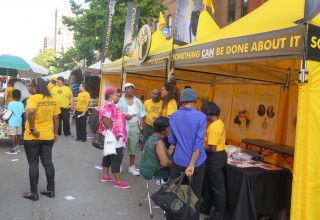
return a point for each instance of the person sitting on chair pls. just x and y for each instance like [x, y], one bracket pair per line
[155, 154]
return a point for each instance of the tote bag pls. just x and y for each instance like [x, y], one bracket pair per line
[110, 143]
[179, 201]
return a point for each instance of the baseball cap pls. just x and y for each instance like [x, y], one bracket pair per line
[110, 90]
[188, 95]
[128, 84]
[54, 78]
[60, 78]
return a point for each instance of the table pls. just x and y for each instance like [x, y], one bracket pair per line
[254, 191]
[3, 130]
[282, 149]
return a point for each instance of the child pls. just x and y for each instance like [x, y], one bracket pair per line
[15, 122]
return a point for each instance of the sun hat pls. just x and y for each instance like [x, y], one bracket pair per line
[128, 84]
[188, 95]
[110, 90]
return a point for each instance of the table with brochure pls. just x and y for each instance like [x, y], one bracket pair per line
[256, 189]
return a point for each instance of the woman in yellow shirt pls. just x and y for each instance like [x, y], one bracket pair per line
[40, 134]
[170, 96]
[8, 92]
[82, 103]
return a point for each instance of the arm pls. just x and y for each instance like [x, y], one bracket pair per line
[71, 103]
[55, 127]
[142, 122]
[211, 148]
[107, 123]
[86, 109]
[190, 169]
[31, 119]
[162, 154]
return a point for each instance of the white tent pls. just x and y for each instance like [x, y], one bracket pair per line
[64, 74]
[94, 69]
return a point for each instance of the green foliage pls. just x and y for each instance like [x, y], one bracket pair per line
[46, 59]
[88, 26]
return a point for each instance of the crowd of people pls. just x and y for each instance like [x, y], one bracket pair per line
[175, 136]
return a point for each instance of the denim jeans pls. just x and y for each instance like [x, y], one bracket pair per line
[43, 149]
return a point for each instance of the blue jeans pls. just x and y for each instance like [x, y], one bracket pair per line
[43, 149]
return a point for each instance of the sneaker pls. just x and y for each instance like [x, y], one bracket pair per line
[160, 182]
[133, 171]
[107, 179]
[12, 151]
[137, 169]
[18, 149]
[122, 185]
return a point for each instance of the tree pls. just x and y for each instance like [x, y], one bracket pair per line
[46, 59]
[88, 26]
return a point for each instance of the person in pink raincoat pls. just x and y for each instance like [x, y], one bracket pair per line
[112, 119]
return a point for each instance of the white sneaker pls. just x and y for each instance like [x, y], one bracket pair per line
[133, 171]
[137, 169]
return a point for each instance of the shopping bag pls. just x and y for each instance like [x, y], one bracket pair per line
[110, 143]
[178, 201]
[6, 115]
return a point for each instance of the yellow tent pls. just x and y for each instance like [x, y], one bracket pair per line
[271, 45]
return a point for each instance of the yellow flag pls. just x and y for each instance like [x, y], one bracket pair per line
[209, 4]
[162, 22]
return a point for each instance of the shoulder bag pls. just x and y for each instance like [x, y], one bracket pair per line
[6, 115]
[178, 201]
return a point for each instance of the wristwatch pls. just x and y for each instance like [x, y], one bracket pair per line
[31, 129]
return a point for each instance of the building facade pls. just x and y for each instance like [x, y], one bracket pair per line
[63, 37]
[48, 43]
[225, 12]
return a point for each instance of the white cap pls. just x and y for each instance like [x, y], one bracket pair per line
[128, 84]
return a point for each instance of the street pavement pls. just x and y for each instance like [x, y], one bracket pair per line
[77, 178]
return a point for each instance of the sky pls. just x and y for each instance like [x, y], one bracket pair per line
[25, 23]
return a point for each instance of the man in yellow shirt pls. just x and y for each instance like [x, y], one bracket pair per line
[52, 83]
[153, 109]
[63, 95]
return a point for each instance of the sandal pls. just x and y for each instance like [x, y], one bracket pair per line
[29, 195]
[50, 194]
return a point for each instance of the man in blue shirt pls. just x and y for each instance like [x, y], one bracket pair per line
[187, 132]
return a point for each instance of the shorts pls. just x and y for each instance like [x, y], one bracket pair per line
[133, 140]
[14, 130]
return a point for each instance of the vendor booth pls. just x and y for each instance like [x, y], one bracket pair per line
[264, 72]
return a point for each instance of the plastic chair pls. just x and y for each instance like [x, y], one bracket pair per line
[149, 183]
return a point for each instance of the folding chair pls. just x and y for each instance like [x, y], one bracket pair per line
[156, 175]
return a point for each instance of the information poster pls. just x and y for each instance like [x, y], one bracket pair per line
[265, 113]
[242, 111]
[223, 98]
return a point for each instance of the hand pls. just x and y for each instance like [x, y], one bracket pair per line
[128, 116]
[35, 133]
[189, 171]
[55, 137]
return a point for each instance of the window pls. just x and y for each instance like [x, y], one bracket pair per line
[244, 9]
[169, 23]
[232, 10]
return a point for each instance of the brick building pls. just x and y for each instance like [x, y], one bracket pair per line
[226, 11]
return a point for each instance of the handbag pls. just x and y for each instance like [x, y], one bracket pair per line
[6, 115]
[178, 201]
[109, 143]
[98, 141]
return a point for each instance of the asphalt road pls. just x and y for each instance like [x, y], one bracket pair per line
[76, 176]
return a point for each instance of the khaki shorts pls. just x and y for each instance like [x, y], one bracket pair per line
[14, 130]
[133, 140]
